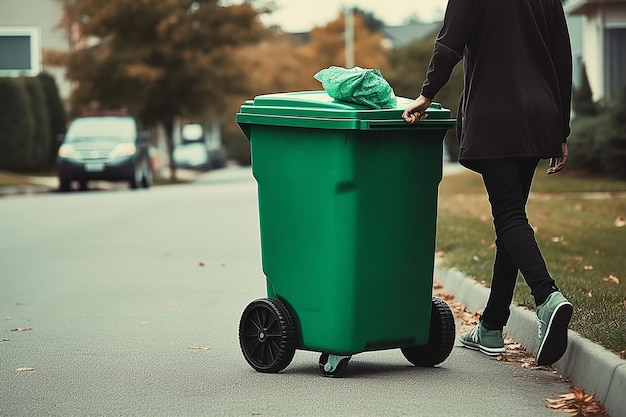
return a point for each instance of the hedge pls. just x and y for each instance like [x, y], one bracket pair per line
[17, 126]
[31, 117]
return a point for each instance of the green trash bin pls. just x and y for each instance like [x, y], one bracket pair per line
[347, 206]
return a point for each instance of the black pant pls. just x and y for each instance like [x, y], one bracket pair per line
[508, 182]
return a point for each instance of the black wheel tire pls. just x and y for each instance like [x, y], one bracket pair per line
[135, 180]
[146, 176]
[339, 372]
[267, 335]
[65, 185]
[440, 339]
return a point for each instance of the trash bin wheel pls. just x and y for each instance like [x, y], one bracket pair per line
[440, 339]
[267, 335]
[333, 366]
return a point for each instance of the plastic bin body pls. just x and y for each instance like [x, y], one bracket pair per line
[347, 219]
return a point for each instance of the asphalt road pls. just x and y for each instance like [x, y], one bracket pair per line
[133, 300]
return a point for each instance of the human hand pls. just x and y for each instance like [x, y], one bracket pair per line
[416, 111]
[557, 164]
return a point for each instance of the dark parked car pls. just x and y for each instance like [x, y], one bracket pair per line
[106, 147]
[195, 153]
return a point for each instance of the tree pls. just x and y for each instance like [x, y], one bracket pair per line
[285, 62]
[159, 58]
[327, 45]
[408, 66]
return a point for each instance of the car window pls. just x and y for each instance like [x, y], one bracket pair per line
[101, 127]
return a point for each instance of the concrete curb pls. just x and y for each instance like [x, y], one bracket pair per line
[25, 190]
[590, 366]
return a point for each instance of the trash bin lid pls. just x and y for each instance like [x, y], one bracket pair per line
[316, 109]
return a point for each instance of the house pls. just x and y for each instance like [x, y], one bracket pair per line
[398, 36]
[603, 46]
[42, 16]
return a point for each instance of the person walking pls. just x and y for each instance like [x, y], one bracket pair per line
[513, 112]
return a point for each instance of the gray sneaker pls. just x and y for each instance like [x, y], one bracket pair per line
[553, 317]
[489, 342]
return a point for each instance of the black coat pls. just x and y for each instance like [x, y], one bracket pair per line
[518, 76]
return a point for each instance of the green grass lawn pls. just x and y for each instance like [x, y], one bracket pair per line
[578, 223]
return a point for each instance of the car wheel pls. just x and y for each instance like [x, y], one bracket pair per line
[136, 178]
[146, 180]
[65, 185]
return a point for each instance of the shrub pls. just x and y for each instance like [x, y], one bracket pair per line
[38, 160]
[56, 113]
[582, 98]
[17, 127]
[237, 147]
[615, 150]
[587, 142]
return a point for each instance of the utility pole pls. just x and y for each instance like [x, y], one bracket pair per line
[349, 36]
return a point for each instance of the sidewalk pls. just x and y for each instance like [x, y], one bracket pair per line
[590, 366]
[40, 185]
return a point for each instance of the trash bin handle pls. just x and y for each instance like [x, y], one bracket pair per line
[401, 124]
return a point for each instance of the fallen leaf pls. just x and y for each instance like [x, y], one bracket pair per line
[24, 369]
[199, 347]
[21, 329]
[201, 263]
[174, 304]
[620, 221]
[611, 278]
[476, 258]
[3, 340]
[588, 267]
[577, 403]
[440, 254]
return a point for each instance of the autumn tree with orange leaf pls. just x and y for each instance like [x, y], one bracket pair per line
[159, 58]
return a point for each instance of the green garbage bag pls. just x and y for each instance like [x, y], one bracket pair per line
[357, 85]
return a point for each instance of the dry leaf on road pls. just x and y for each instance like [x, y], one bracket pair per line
[174, 304]
[620, 221]
[24, 369]
[577, 403]
[3, 339]
[199, 347]
[21, 329]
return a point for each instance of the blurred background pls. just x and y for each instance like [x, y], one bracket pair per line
[183, 68]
